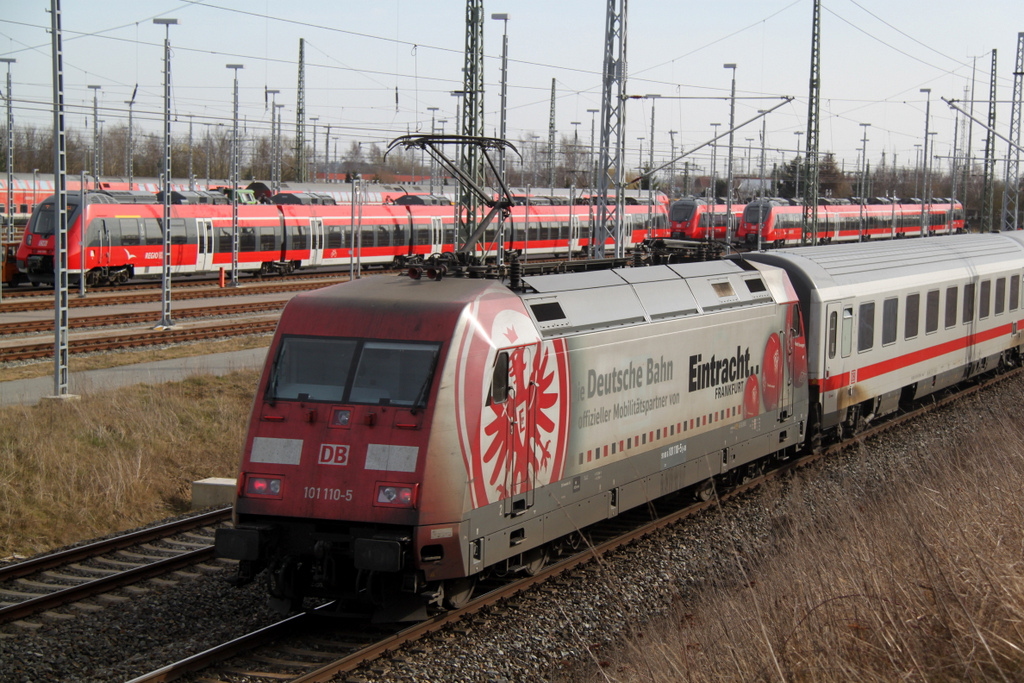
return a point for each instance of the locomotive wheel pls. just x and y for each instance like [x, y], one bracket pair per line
[703, 491]
[458, 592]
[751, 471]
[534, 560]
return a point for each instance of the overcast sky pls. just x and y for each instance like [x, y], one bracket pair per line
[374, 67]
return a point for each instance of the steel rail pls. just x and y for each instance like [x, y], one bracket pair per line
[10, 329]
[135, 340]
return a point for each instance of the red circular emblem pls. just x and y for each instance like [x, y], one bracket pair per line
[771, 371]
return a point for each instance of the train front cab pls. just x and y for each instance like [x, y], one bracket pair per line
[350, 485]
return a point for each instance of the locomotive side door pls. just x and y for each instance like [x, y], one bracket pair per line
[514, 427]
[204, 250]
[790, 334]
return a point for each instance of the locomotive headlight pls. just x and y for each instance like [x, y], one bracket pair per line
[396, 495]
[263, 486]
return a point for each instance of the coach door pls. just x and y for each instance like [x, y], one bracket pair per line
[436, 235]
[838, 348]
[316, 241]
[204, 252]
[513, 428]
[574, 234]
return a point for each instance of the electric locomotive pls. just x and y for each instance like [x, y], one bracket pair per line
[408, 436]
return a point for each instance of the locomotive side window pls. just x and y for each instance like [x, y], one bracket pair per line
[1000, 296]
[951, 294]
[912, 321]
[499, 380]
[969, 302]
[833, 331]
[847, 331]
[931, 315]
[1014, 292]
[890, 311]
[984, 299]
[866, 327]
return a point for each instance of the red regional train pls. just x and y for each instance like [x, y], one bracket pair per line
[779, 223]
[696, 219]
[30, 189]
[124, 241]
[409, 436]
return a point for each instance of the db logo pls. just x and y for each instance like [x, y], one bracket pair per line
[333, 454]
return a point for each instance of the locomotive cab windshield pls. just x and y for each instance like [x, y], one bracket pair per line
[357, 371]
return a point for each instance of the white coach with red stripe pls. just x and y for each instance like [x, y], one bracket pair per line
[890, 322]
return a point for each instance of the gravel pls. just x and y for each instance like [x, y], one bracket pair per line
[556, 632]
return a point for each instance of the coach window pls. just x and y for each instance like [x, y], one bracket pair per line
[833, 332]
[866, 327]
[890, 311]
[912, 321]
[1014, 292]
[931, 312]
[1000, 296]
[247, 239]
[300, 237]
[985, 299]
[969, 302]
[951, 294]
[130, 232]
[180, 233]
[268, 239]
[92, 236]
[847, 331]
[154, 235]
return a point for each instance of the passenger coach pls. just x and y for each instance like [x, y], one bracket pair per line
[890, 322]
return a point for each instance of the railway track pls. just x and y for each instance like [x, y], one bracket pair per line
[310, 647]
[68, 576]
[43, 303]
[32, 351]
[85, 322]
[17, 293]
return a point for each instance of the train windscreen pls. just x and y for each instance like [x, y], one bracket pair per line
[681, 212]
[756, 212]
[353, 371]
[44, 222]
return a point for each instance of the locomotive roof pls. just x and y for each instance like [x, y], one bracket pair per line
[604, 299]
[862, 268]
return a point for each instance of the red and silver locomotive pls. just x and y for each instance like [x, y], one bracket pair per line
[409, 435]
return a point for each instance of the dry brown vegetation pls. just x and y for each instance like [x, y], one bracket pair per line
[79, 469]
[911, 572]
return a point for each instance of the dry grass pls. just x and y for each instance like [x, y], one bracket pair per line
[115, 460]
[100, 361]
[914, 573]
